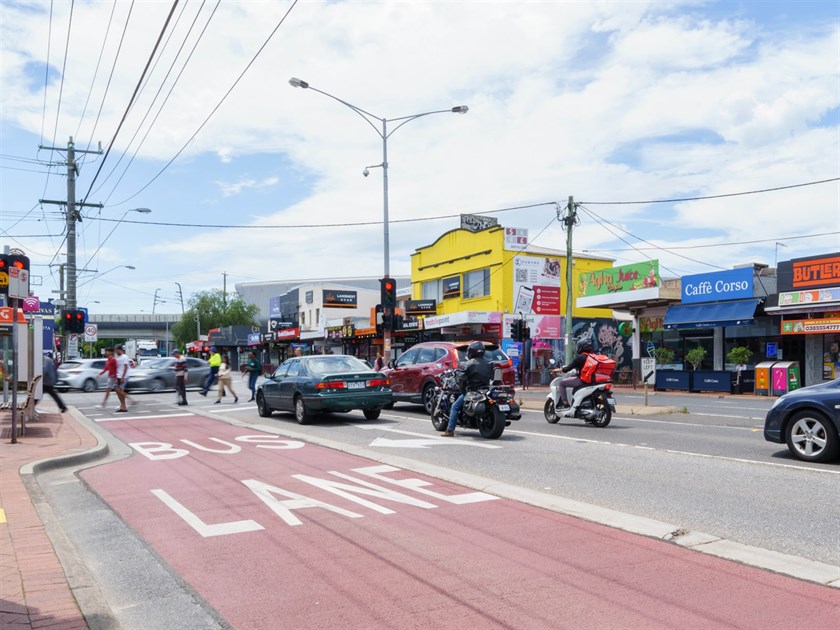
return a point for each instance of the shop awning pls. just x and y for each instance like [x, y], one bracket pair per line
[715, 315]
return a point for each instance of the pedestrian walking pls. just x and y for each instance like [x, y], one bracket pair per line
[215, 361]
[253, 368]
[49, 379]
[378, 362]
[226, 381]
[180, 367]
[123, 365]
[111, 369]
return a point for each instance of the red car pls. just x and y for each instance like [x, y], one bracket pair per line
[417, 371]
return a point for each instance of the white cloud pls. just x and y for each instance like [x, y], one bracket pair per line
[229, 189]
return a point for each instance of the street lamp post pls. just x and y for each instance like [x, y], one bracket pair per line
[384, 134]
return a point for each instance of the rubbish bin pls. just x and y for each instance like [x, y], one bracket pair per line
[785, 377]
[762, 378]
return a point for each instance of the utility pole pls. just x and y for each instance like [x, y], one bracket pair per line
[224, 289]
[180, 296]
[72, 215]
[569, 221]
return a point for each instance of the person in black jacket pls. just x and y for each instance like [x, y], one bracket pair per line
[477, 375]
[584, 347]
[50, 377]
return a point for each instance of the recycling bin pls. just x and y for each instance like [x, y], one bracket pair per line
[785, 377]
[763, 378]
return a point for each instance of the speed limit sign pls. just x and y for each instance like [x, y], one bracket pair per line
[91, 331]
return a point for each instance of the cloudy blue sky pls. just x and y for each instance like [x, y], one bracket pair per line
[603, 101]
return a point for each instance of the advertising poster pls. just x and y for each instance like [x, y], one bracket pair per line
[536, 285]
[451, 287]
[620, 279]
[339, 299]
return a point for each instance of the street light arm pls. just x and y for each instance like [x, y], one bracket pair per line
[461, 109]
[366, 116]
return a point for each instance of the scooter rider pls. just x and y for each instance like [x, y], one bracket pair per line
[584, 347]
[477, 375]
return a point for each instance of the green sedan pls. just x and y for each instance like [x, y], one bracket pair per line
[320, 383]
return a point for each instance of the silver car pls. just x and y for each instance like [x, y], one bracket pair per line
[159, 374]
[81, 374]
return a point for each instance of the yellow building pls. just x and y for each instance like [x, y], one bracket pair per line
[482, 280]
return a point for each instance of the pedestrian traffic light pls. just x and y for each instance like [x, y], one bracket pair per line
[388, 293]
[526, 332]
[6, 262]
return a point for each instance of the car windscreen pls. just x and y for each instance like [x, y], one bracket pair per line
[494, 356]
[71, 365]
[335, 365]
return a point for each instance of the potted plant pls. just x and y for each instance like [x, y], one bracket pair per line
[663, 355]
[695, 357]
[740, 356]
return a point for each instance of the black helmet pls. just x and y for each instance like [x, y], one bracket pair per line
[475, 349]
[584, 345]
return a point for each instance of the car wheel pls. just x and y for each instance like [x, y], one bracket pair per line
[90, 386]
[156, 385]
[371, 414]
[811, 437]
[429, 397]
[262, 406]
[301, 414]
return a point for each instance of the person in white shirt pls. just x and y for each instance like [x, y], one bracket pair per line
[123, 366]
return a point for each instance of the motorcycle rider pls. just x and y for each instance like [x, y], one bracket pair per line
[477, 375]
[584, 347]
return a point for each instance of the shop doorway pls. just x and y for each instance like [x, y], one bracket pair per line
[793, 349]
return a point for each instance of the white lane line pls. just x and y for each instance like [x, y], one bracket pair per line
[686, 424]
[227, 408]
[752, 461]
[425, 436]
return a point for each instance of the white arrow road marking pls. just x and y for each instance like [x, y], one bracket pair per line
[424, 442]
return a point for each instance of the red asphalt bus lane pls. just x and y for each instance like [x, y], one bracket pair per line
[273, 532]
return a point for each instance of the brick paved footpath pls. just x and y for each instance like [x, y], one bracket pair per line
[34, 592]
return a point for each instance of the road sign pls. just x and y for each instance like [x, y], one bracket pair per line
[91, 331]
[650, 348]
[18, 282]
[648, 370]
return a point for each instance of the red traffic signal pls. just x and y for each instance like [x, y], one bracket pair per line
[74, 321]
[388, 293]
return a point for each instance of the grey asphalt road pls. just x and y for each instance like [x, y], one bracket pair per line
[708, 471]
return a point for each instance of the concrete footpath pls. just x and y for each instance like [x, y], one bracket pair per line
[34, 592]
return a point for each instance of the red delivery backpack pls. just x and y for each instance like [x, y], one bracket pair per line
[598, 368]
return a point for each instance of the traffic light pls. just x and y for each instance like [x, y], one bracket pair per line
[7, 261]
[388, 293]
[516, 330]
[526, 332]
[73, 320]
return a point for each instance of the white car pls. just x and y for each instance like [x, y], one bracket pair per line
[81, 374]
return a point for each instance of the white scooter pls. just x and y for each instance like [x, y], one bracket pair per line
[593, 404]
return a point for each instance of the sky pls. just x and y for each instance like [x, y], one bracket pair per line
[250, 179]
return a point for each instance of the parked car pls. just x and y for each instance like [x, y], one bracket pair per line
[417, 372]
[320, 383]
[81, 374]
[159, 374]
[808, 421]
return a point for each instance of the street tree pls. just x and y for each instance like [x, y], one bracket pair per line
[212, 309]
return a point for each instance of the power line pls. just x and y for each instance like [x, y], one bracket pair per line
[603, 220]
[96, 71]
[321, 225]
[131, 100]
[111, 75]
[736, 194]
[157, 94]
[729, 244]
[218, 105]
[46, 75]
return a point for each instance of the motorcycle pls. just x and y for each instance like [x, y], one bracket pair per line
[489, 410]
[594, 404]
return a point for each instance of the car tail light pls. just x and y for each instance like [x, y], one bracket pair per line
[608, 386]
[330, 385]
[379, 382]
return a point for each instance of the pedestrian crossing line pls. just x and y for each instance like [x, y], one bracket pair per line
[124, 418]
